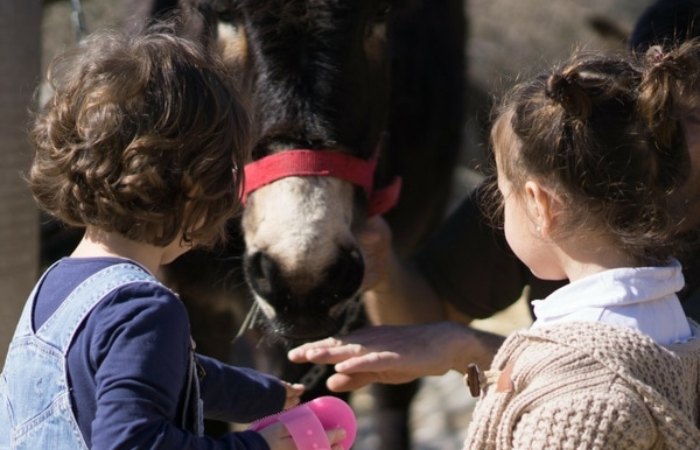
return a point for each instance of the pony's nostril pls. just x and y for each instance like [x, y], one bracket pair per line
[345, 275]
[262, 273]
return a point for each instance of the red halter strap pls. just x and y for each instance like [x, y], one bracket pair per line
[303, 162]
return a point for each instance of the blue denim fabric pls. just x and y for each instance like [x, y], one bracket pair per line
[35, 405]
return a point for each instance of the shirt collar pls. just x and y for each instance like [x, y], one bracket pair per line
[613, 287]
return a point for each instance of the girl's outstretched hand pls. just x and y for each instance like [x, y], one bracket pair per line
[278, 438]
[387, 354]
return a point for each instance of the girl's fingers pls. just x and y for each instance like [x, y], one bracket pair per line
[325, 354]
[293, 393]
[336, 436]
[340, 382]
[299, 354]
[295, 389]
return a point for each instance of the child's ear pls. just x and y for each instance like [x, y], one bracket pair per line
[541, 205]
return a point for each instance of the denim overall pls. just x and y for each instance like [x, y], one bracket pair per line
[35, 404]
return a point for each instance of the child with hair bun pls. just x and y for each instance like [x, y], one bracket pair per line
[591, 158]
[139, 144]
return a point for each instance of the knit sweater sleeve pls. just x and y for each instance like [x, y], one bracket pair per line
[586, 420]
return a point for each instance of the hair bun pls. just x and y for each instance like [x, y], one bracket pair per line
[564, 88]
[557, 86]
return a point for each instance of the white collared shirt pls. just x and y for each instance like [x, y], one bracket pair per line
[641, 298]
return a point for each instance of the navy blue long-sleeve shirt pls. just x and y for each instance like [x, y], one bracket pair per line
[127, 369]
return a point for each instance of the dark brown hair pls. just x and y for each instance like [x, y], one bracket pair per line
[604, 133]
[141, 137]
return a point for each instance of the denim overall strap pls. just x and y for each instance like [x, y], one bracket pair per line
[61, 327]
[24, 325]
[35, 405]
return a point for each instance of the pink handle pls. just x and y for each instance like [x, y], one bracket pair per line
[308, 423]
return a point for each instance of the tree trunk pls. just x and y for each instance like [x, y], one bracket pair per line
[20, 27]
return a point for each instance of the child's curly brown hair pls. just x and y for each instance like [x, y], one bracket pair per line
[142, 137]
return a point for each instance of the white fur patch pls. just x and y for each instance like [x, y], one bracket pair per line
[232, 43]
[300, 222]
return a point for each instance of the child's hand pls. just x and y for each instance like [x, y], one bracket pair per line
[294, 392]
[278, 438]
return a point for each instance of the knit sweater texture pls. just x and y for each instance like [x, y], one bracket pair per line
[590, 386]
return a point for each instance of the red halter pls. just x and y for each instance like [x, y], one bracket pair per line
[297, 163]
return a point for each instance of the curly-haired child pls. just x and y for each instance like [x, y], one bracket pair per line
[139, 144]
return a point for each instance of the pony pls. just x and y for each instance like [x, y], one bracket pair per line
[350, 99]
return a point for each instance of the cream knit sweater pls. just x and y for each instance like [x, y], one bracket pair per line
[591, 386]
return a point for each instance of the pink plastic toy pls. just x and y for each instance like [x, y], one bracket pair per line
[308, 422]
